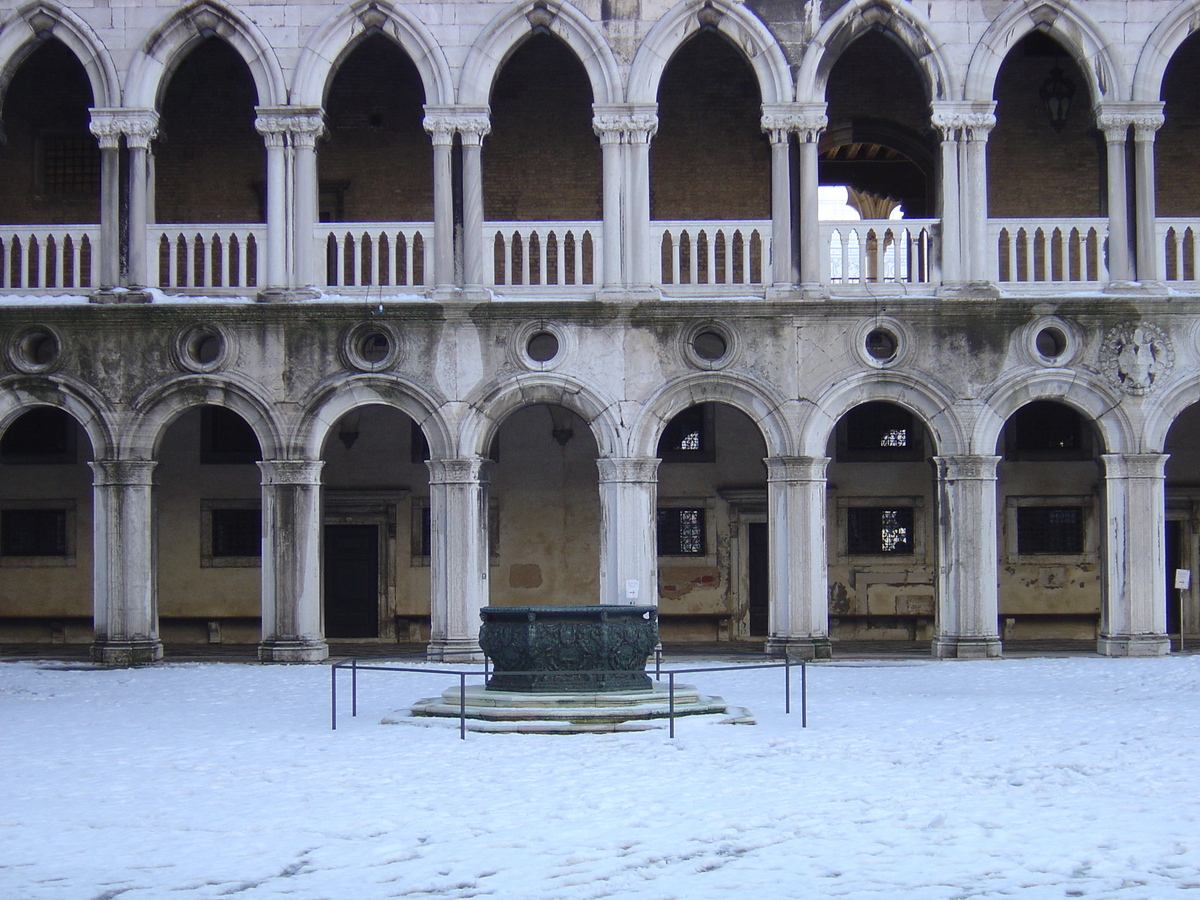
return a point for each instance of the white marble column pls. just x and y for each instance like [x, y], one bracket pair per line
[978, 258]
[777, 122]
[141, 128]
[440, 127]
[628, 536]
[125, 597]
[292, 620]
[1133, 615]
[609, 125]
[105, 125]
[458, 509]
[799, 592]
[1146, 122]
[474, 128]
[810, 122]
[967, 620]
[1116, 129]
[272, 124]
[640, 258]
[947, 119]
[307, 127]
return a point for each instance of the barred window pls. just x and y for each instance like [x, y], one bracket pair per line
[1050, 530]
[236, 532]
[70, 165]
[681, 532]
[688, 437]
[33, 532]
[879, 531]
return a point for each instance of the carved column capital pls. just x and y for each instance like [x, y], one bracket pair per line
[796, 468]
[473, 470]
[123, 472]
[966, 468]
[291, 471]
[139, 126]
[628, 470]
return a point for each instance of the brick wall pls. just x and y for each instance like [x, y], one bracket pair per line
[48, 94]
[710, 159]
[1176, 142]
[542, 159]
[211, 164]
[376, 146]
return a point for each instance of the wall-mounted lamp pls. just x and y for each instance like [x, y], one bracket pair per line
[348, 430]
[561, 422]
[1056, 92]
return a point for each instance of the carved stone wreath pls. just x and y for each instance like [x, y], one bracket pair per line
[1135, 356]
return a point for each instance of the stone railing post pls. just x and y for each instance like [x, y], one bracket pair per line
[125, 599]
[967, 621]
[628, 539]
[458, 509]
[291, 566]
[799, 593]
[1133, 615]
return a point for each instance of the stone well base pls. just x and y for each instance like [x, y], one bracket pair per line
[510, 711]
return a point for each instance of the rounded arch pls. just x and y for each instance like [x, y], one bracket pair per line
[1160, 417]
[505, 32]
[490, 410]
[921, 395]
[900, 21]
[741, 27]
[334, 41]
[1061, 20]
[153, 64]
[1160, 47]
[333, 399]
[20, 394]
[35, 23]
[764, 407]
[1083, 393]
[156, 409]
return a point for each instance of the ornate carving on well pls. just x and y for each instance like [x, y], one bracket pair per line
[1135, 356]
[552, 649]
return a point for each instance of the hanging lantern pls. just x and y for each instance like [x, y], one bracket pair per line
[1056, 92]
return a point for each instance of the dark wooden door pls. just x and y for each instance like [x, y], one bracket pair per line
[351, 581]
[759, 565]
[1174, 556]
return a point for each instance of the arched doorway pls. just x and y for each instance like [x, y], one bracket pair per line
[1183, 526]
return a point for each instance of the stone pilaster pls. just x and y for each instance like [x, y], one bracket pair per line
[292, 629]
[458, 508]
[628, 541]
[1133, 615]
[799, 592]
[125, 599]
[967, 621]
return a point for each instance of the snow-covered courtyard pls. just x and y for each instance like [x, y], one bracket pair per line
[1028, 778]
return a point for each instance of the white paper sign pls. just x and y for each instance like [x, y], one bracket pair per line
[1183, 579]
[633, 589]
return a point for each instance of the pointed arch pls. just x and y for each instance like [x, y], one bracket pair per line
[336, 397]
[1061, 20]
[166, 47]
[765, 407]
[1160, 418]
[921, 394]
[899, 20]
[1085, 393]
[740, 26]
[86, 406]
[505, 32]
[1160, 47]
[335, 40]
[38, 22]
[489, 410]
[156, 409]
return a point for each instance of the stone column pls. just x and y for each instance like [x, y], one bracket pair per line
[473, 128]
[125, 597]
[1146, 123]
[140, 127]
[458, 509]
[292, 620]
[799, 592]
[948, 120]
[1116, 129]
[307, 127]
[440, 127]
[628, 537]
[809, 124]
[640, 127]
[609, 126]
[973, 192]
[105, 125]
[967, 620]
[777, 122]
[1133, 615]
[273, 126]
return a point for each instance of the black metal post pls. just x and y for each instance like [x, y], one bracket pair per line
[462, 706]
[787, 684]
[333, 696]
[803, 694]
[354, 687]
[671, 701]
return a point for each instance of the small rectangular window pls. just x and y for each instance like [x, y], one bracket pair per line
[879, 531]
[1050, 530]
[236, 532]
[70, 165]
[681, 532]
[34, 533]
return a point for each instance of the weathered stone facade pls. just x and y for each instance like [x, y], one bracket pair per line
[354, 318]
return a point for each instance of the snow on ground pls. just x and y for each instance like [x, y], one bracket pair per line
[1030, 778]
